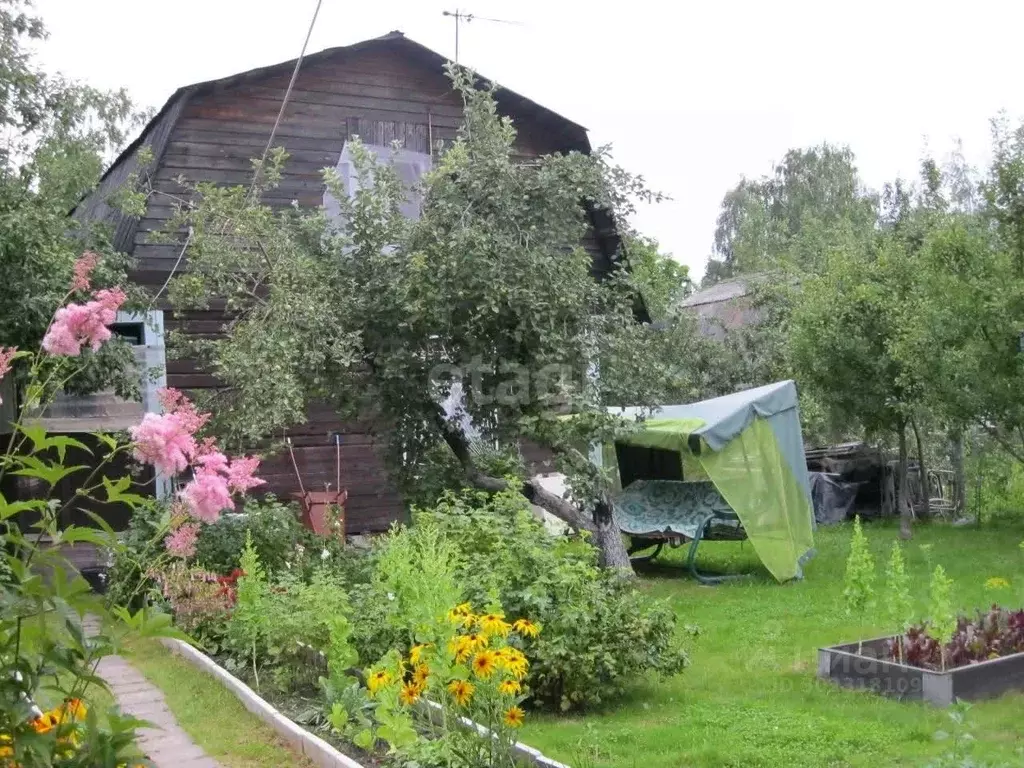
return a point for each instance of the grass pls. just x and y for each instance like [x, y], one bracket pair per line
[751, 698]
[211, 714]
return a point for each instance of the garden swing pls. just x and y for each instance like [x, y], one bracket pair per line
[729, 468]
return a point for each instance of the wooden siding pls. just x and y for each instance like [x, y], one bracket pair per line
[378, 95]
[96, 206]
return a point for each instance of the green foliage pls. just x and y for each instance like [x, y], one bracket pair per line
[248, 624]
[600, 633]
[272, 526]
[58, 134]
[416, 574]
[859, 590]
[662, 281]
[128, 580]
[942, 613]
[898, 604]
[961, 750]
[760, 219]
[300, 619]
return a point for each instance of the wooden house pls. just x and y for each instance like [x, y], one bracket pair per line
[385, 89]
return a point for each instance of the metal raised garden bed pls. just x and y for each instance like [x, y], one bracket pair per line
[871, 670]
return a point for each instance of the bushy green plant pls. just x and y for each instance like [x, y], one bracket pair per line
[898, 605]
[599, 632]
[859, 589]
[942, 615]
[273, 527]
[298, 621]
[247, 626]
[416, 573]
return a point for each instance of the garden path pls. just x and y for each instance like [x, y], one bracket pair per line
[166, 743]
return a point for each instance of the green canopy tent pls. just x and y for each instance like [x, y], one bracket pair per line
[720, 468]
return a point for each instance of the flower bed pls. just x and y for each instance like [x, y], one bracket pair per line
[316, 749]
[984, 658]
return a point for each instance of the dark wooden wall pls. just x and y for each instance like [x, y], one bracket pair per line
[380, 95]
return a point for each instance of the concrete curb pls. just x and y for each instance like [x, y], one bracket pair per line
[313, 747]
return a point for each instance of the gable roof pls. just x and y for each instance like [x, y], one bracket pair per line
[574, 134]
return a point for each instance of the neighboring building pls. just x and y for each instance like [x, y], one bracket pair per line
[724, 306]
[386, 89]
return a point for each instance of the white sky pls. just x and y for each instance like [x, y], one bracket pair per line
[692, 95]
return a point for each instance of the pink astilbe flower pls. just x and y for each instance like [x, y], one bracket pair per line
[84, 266]
[164, 442]
[207, 495]
[241, 474]
[182, 541]
[6, 356]
[77, 325]
[174, 401]
[213, 459]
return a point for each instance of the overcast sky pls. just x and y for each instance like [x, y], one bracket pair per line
[692, 95]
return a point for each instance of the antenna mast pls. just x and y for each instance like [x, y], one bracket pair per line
[461, 16]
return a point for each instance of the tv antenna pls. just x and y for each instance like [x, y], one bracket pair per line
[461, 16]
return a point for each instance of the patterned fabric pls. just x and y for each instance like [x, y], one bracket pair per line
[670, 506]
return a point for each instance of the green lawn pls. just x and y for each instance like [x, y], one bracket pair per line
[750, 697]
[211, 714]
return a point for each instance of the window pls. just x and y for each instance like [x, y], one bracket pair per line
[409, 165]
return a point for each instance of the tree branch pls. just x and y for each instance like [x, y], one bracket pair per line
[531, 489]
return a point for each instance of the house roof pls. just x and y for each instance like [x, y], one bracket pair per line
[574, 134]
[723, 291]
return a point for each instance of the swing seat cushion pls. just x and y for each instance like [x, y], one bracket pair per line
[674, 508]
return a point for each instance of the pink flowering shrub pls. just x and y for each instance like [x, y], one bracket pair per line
[78, 325]
[181, 542]
[84, 266]
[168, 443]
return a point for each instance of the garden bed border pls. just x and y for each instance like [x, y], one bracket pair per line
[869, 669]
[308, 744]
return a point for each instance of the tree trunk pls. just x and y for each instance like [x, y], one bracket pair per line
[906, 510]
[956, 458]
[609, 539]
[922, 469]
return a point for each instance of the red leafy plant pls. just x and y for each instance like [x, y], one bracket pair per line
[994, 633]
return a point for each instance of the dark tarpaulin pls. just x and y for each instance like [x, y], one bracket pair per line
[832, 498]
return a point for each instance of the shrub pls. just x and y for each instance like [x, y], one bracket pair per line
[142, 542]
[273, 526]
[414, 580]
[599, 633]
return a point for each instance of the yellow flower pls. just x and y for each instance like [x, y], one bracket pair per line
[45, 722]
[526, 628]
[996, 582]
[420, 675]
[510, 687]
[478, 640]
[494, 624]
[409, 694]
[461, 691]
[71, 709]
[462, 615]
[483, 664]
[416, 652]
[512, 661]
[378, 680]
[514, 717]
[461, 647]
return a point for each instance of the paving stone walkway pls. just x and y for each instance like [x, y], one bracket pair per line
[167, 745]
